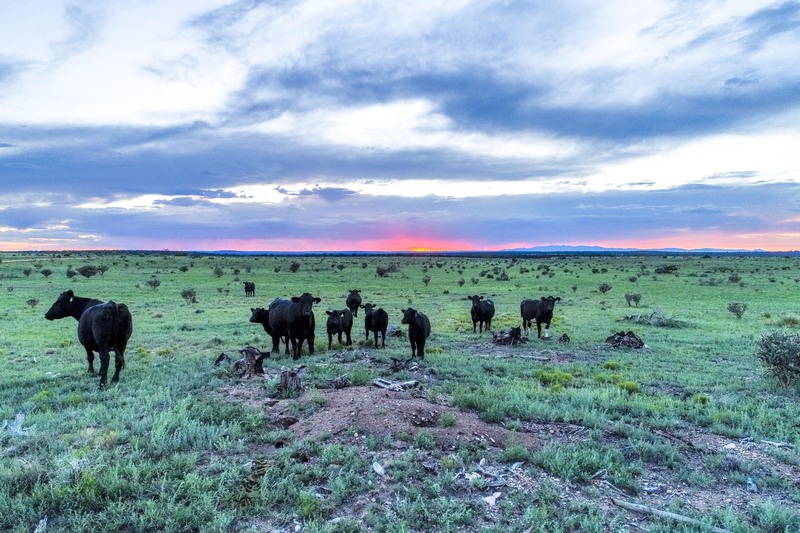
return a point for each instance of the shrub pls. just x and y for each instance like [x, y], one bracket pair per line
[604, 288]
[294, 267]
[46, 272]
[27, 271]
[87, 271]
[780, 353]
[153, 282]
[737, 308]
[218, 271]
[190, 295]
[426, 279]
[71, 273]
[666, 269]
[33, 302]
[184, 268]
[634, 297]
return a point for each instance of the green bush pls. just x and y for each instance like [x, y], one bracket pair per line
[780, 353]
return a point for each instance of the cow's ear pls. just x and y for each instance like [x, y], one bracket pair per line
[558, 298]
[317, 300]
[403, 311]
[295, 299]
[544, 299]
[70, 294]
[252, 310]
[328, 312]
[480, 297]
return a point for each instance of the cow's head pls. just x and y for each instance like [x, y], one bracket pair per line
[259, 315]
[367, 308]
[550, 302]
[408, 315]
[62, 307]
[355, 292]
[335, 317]
[306, 301]
[475, 300]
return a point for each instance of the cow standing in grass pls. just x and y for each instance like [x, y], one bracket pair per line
[377, 321]
[259, 315]
[353, 301]
[419, 329]
[249, 288]
[102, 327]
[481, 312]
[293, 318]
[540, 311]
[339, 322]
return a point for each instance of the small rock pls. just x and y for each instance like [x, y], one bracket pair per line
[378, 469]
[730, 446]
[492, 500]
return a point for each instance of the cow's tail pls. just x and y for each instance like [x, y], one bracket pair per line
[116, 325]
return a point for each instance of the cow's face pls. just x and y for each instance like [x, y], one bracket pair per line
[335, 318]
[259, 315]
[355, 292]
[550, 302]
[475, 300]
[368, 308]
[306, 302]
[408, 316]
[62, 307]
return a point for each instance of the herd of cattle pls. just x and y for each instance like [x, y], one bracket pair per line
[106, 326]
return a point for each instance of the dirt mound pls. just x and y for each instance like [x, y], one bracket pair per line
[379, 412]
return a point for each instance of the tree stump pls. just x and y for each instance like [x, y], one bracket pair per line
[291, 381]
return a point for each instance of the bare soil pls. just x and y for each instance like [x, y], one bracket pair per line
[350, 415]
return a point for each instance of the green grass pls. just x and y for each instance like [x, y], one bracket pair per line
[166, 449]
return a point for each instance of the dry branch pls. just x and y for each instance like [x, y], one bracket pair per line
[646, 509]
[396, 386]
[291, 380]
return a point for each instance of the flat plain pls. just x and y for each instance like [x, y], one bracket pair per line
[544, 435]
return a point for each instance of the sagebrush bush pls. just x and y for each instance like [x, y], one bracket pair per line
[780, 353]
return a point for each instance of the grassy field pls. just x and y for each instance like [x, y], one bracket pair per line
[542, 436]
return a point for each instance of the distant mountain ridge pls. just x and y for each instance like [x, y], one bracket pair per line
[551, 248]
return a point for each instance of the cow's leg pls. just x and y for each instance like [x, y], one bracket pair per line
[547, 329]
[340, 339]
[421, 348]
[383, 339]
[538, 330]
[90, 359]
[104, 360]
[310, 341]
[349, 340]
[330, 340]
[119, 364]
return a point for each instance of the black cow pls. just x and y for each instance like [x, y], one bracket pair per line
[249, 288]
[293, 318]
[482, 312]
[419, 329]
[259, 315]
[539, 310]
[376, 320]
[101, 327]
[339, 322]
[354, 301]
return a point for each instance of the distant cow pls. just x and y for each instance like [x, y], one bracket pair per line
[249, 288]
[293, 318]
[539, 310]
[377, 321]
[259, 315]
[482, 312]
[101, 327]
[354, 301]
[339, 322]
[419, 329]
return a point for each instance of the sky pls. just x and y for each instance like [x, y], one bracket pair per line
[381, 125]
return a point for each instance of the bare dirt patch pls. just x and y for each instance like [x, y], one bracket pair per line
[377, 412]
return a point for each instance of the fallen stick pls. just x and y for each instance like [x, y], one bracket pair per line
[779, 444]
[397, 386]
[646, 509]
